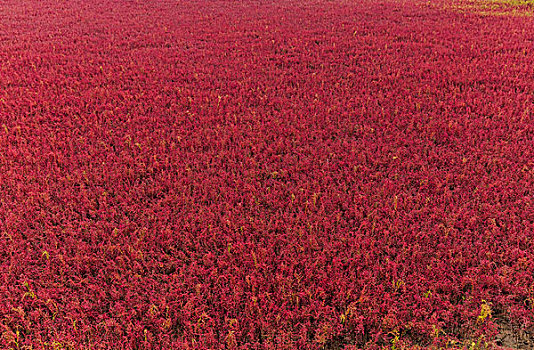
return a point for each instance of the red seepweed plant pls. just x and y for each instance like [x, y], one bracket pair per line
[264, 175]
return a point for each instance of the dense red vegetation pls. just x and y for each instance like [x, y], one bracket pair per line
[263, 175]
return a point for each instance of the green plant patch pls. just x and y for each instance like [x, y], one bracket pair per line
[527, 3]
[517, 8]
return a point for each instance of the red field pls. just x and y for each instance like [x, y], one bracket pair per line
[266, 174]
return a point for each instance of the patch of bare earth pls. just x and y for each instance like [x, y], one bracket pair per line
[511, 337]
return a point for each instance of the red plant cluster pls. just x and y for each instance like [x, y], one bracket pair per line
[263, 174]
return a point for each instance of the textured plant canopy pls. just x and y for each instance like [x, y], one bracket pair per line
[265, 175]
